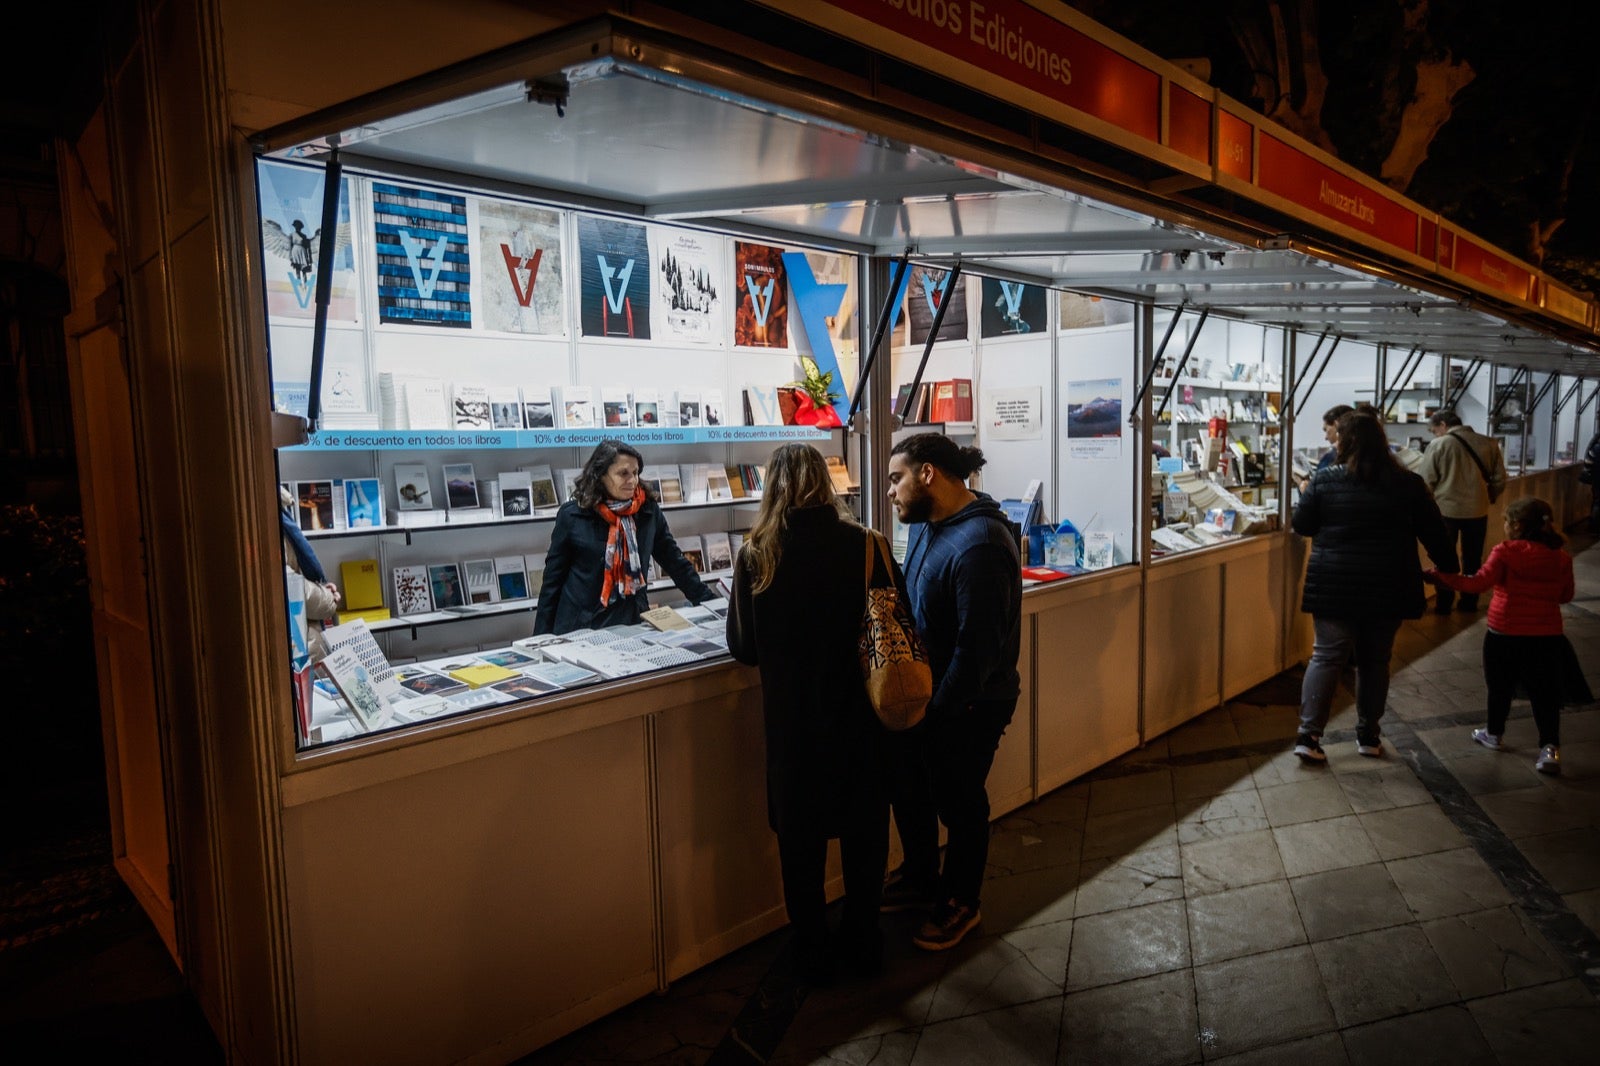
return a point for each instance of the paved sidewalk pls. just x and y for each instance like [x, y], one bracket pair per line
[1209, 899]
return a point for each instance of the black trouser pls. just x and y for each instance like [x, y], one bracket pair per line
[863, 853]
[1470, 532]
[940, 773]
[1537, 663]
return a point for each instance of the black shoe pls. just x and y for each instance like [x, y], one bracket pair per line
[902, 895]
[1309, 749]
[949, 923]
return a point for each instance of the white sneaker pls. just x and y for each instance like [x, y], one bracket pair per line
[1487, 739]
[1549, 761]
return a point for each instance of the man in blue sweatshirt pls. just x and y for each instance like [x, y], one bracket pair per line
[964, 576]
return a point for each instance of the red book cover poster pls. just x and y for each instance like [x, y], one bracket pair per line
[762, 316]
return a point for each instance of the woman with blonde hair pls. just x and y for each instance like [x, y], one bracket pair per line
[799, 592]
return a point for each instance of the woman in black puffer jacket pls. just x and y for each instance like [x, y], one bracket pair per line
[1365, 515]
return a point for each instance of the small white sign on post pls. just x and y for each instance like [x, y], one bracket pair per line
[1013, 414]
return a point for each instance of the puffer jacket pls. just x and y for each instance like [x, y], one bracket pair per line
[1531, 581]
[1364, 544]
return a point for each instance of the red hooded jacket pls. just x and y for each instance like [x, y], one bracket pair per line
[1530, 583]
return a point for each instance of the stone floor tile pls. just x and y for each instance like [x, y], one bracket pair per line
[1026, 1033]
[1533, 812]
[1545, 1024]
[1281, 727]
[1220, 816]
[1019, 844]
[1002, 971]
[1131, 791]
[1312, 847]
[1036, 897]
[1493, 951]
[1492, 772]
[1067, 806]
[1230, 862]
[1209, 779]
[885, 1049]
[1381, 974]
[1243, 921]
[1125, 832]
[1282, 768]
[1121, 945]
[1304, 801]
[1447, 882]
[1577, 726]
[1407, 831]
[1569, 860]
[1129, 881]
[1383, 788]
[1586, 905]
[1148, 1022]
[1261, 1000]
[1444, 1036]
[1352, 900]
[1454, 740]
[1323, 1050]
[899, 997]
[1209, 732]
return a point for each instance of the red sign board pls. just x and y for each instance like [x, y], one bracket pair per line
[1188, 124]
[1317, 187]
[1234, 155]
[1481, 265]
[1022, 45]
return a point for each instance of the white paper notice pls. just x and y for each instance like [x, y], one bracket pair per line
[1013, 414]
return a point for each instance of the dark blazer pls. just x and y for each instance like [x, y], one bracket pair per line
[824, 743]
[1364, 544]
[574, 570]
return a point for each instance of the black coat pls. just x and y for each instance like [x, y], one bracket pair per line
[574, 570]
[1364, 544]
[824, 743]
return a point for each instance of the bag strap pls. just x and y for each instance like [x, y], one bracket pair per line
[877, 548]
[871, 551]
[1476, 458]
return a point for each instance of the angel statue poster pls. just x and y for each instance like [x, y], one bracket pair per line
[291, 243]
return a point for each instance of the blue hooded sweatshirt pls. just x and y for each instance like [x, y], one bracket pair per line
[965, 580]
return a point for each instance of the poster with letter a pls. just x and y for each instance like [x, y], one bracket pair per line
[688, 290]
[291, 243]
[522, 277]
[761, 317]
[424, 268]
[614, 278]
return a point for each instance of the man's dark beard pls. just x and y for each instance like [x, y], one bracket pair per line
[918, 510]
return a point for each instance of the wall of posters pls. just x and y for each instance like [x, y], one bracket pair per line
[927, 289]
[291, 241]
[1094, 418]
[424, 267]
[613, 274]
[1091, 312]
[1011, 308]
[686, 272]
[761, 316]
[521, 284]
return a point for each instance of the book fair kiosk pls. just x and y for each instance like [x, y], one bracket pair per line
[414, 289]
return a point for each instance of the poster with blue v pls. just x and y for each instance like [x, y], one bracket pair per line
[614, 278]
[291, 243]
[424, 265]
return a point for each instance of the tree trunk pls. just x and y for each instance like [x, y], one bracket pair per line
[1439, 81]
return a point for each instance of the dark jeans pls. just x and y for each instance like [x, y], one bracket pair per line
[940, 773]
[1537, 664]
[1470, 532]
[1370, 642]
[863, 852]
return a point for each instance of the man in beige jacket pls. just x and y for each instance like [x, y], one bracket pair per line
[1466, 472]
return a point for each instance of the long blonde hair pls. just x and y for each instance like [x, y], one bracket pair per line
[797, 476]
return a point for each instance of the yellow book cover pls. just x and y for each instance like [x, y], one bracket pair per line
[366, 614]
[484, 674]
[363, 588]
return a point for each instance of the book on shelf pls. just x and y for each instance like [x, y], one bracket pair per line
[523, 687]
[617, 413]
[652, 485]
[364, 614]
[671, 481]
[693, 551]
[1044, 573]
[460, 486]
[1099, 550]
[516, 493]
[444, 582]
[689, 407]
[413, 594]
[839, 474]
[664, 619]
[542, 487]
[943, 405]
[717, 486]
[963, 399]
[363, 502]
[695, 478]
[363, 587]
[569, 481]
[901, 394]
[711, 408]
[426, 407]
[343, 667]
[735, 542]
[561, 674]
[511, 577]
[477, 699]
[538, 407]
[477, 675]
[505, 407]
[577, 407]
[533, 564]
[646, 407]
[736, 481]
[482, 586]
[469, 405]
[355, 635]
[719, 551]
[314, 505]
[507, 657]
[411, 488]
[763, 405]
[425, 682]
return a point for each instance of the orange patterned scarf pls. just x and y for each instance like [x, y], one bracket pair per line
[624, 571]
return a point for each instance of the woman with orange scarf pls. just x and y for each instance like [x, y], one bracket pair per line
[598, 565]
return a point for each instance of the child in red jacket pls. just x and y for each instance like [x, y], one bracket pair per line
[1531, 577]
